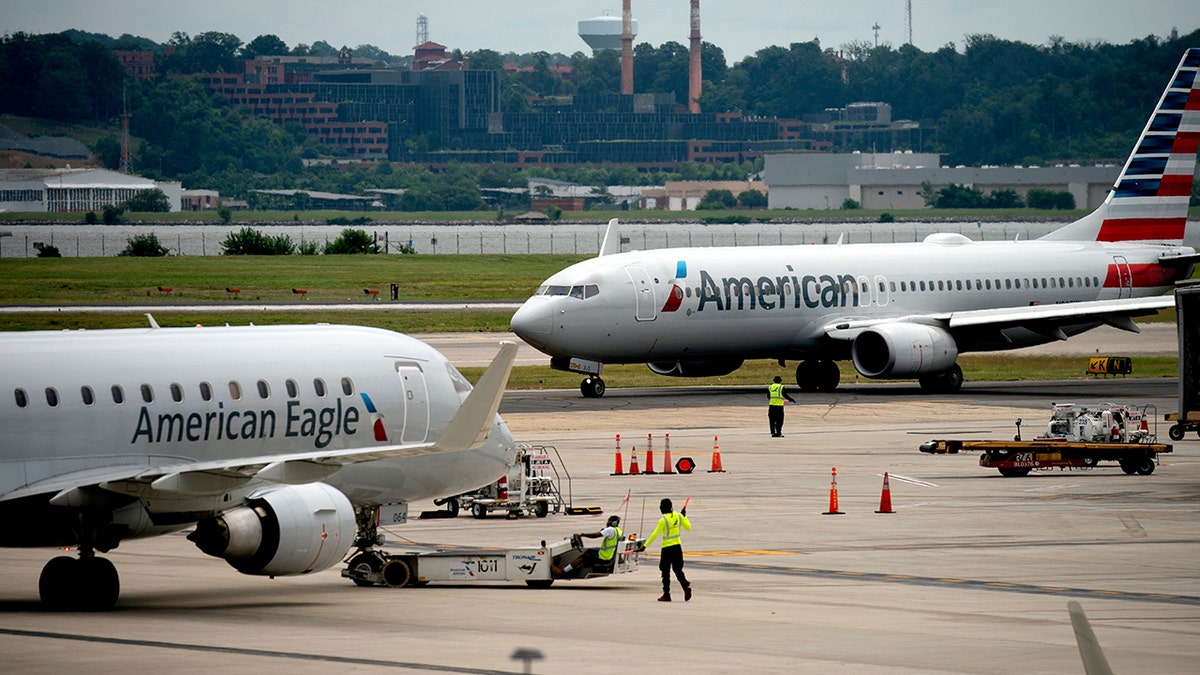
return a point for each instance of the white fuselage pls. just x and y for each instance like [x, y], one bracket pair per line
[76, 401]
[780, 301]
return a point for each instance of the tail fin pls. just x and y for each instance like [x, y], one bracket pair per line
[1150, 199]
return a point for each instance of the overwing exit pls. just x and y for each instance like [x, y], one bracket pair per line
[282, 444]
[897, 311]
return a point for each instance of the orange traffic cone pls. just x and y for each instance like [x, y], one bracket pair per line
[619, 469]
[667, 455]
[716, 458]
[833, 499]
[649, 455]
[885, 499]
[633, 465]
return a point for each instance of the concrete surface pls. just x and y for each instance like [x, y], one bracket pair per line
[972, 574]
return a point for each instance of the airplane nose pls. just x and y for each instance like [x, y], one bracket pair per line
[533, 322]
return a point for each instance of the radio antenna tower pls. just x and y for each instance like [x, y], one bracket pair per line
[126, 160]
[908, 20]
[422, 29]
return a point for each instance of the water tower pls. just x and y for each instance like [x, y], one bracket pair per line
[604, 32]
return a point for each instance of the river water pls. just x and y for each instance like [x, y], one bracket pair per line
[567, 238]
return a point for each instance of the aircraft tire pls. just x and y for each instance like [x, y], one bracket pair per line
[949, 382]
[58, 583]
[99, 584]
[828, 376]
[368, 563]
[592, 387]
[807, 374]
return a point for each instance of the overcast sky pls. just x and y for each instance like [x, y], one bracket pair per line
[739, 27]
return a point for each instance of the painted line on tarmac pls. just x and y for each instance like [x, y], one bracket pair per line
[947, 582]
[180, 646]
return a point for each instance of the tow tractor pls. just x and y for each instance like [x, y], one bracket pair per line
[531, 564]
[1077, 437]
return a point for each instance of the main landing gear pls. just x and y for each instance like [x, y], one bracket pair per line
[948, 382]
[820, 375]
[592, 387]
[86, 583]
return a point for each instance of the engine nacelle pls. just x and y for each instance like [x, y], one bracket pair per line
[292, 530]
[897, 350]
[694, 368]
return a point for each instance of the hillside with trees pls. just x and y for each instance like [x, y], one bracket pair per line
[992, 101]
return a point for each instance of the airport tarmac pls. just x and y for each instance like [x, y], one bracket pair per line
[971, 574]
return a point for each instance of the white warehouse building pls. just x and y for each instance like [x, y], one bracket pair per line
[75, 190]
[893, 181]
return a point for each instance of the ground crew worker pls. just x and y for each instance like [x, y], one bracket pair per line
[671, 554]
[601, 559]
[776, 396]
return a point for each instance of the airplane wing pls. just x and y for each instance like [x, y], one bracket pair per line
[467, 430]
[1043, 319]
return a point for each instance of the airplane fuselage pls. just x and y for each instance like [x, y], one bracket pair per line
[146, 398]
[780, 301]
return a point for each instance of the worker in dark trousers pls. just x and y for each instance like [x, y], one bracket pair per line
[670, 556]
[777, 396]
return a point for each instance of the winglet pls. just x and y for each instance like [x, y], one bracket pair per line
[1094, 662]
[471, 424]
[612, 240]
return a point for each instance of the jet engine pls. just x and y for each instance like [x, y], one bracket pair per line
[707, 368]
[897, 350]
[292, 530]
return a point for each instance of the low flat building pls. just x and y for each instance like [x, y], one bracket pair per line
[894, 181]
[75, 190]
[685, 195]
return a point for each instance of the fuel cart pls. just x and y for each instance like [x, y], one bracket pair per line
[531, 564]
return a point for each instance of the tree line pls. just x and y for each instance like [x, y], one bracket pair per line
[993, 101]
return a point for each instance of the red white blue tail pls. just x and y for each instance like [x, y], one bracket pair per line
[1150, 199]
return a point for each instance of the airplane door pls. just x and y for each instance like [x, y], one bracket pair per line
[644, 290]
[1124, 277]
[416, 402]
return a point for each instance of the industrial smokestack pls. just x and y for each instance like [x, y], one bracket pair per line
[626, 48]
[694, 61]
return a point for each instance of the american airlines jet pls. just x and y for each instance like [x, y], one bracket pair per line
[283, 445]
[894, 310]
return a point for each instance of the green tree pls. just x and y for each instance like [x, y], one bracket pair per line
[752, 199]
[111, 214]
[956, 196]
[264, 45]
[249, 241]
[148, 201]
[1004, 199]
[144, 246]
[352, 241]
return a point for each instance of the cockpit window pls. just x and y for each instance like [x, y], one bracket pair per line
[591, 291]
[558, 290]
[577, 292]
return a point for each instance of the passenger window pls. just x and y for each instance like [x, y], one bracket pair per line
[940, 287]
[22, 398]
[347, 386]
[147, 393]
[1008, 284]
[989, 284]
[176, 393]
[88, 396]
[319, 387]
[292, 390]
[922, 285]
[52, 397]
[235, 390]
[264, 390]
[206, 391]
[118, 394]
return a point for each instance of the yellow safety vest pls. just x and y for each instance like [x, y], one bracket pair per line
[775, 390]
[670, 535]
[609, 546]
